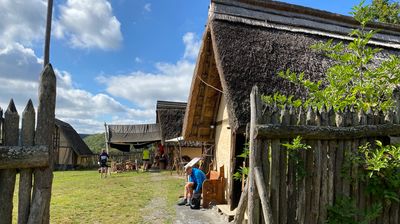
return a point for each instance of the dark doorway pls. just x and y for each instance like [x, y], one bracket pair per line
[238, 162]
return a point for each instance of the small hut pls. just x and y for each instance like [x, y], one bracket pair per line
[69, 149]
[247, 42]
[170, 116]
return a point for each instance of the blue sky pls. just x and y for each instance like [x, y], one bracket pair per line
[113, 58]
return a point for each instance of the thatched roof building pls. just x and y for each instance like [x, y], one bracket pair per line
[71, 150]
[248, 42]
[170, 116]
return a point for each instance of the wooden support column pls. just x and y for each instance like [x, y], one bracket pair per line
[240, 210]
[43, 178]
[263, 193]
[253, 204]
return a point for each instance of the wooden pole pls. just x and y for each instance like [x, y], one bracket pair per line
[253, 203]
[263, 192]
[240, 210]
[106, 136]
[48, 32]
[40, 207]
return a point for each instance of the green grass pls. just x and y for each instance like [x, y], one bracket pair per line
[82, 197]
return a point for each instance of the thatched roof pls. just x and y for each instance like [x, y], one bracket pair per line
[248, 42]
[73, 138]
[170, 116]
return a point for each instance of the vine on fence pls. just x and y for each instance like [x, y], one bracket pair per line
[294, 148]
[356, 80]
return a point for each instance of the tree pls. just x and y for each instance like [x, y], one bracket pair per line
[384, 11]
[356, 78]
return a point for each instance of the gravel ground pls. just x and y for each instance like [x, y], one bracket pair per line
[200, 216]
[184, 215]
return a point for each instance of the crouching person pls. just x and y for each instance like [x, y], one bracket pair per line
[192, 192]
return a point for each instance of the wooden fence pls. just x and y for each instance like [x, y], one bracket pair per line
[28, 152]
[276, 193]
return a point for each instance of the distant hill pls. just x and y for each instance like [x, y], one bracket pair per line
[95, 142]
[83, 135]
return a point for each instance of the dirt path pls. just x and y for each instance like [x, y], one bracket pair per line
[155, 211]
[202, 216]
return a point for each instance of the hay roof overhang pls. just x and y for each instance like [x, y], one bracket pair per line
[248, 42]
[76, 142]
[170, 116]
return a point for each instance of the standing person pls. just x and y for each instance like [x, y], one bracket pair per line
[193, 186]
[146, 158]
[103, 158]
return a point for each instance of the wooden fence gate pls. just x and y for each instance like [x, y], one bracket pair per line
[275, 193]
[30, 153]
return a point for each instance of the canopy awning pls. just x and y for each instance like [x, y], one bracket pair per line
[138, 135]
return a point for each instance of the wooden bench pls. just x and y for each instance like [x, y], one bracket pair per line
[213, 188]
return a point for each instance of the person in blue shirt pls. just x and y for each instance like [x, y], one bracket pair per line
[103, 158]
[194, 184]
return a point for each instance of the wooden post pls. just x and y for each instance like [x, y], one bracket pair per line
[283, 167]
[275, 172]
[240, 210]
[310, 119]
[25, 180]
[262, 191]
[46, 54]
[253, 205]
[43, 179]
[302, 182]
[7, 177]
[106, 136]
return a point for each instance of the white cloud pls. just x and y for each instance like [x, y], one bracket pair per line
[192, 44]
[22, 21]
[138, 60]
[19, 74]
[169, 82]
[88, 24]
[147, 7]
[18, 62]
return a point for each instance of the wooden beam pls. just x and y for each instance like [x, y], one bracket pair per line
[263, 193]
[12, 157]
[327, 132]
[240, 210]
[253, 203]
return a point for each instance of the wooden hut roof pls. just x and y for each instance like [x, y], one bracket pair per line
[170, 116]
[73, 138]
[247, 42]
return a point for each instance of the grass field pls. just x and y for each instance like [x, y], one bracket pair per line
[82, 197]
